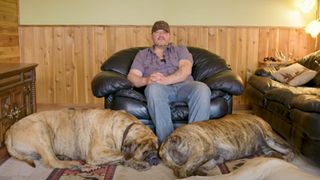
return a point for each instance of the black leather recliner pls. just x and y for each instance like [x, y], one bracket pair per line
[112, 84]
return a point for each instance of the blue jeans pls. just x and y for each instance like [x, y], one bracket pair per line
[196, 94]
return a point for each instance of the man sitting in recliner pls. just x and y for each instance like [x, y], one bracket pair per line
[166, 71]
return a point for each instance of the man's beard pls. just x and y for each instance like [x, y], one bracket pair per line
[161, 46]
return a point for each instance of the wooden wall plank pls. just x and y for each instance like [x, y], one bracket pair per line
[212, 39]
[80, 51]
[9, 41]
[222, 43]
[182, 35]
[70, 56]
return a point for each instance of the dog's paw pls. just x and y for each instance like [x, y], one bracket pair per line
[180, 173]
[73, 165]
[89, 168]
[289, 156]
[138, 165]
[200, 172]
[75, 168]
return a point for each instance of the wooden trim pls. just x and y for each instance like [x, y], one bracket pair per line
[45, 107]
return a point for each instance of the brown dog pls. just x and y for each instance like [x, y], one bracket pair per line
[98, 136]
[195, 148]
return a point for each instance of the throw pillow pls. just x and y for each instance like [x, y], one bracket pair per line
[294, 75]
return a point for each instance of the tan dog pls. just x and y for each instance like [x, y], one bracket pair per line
[97, 136]
[198, 147]
[262, 168]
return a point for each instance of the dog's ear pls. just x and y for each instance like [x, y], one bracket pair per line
[178, 150]
[128, 150]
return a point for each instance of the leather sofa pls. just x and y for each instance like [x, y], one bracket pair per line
[119, 94]
[293, 112]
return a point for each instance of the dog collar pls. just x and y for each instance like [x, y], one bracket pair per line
[125, 133]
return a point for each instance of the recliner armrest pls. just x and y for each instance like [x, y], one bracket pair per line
[108, 82]
[266, 71]
[226, 81]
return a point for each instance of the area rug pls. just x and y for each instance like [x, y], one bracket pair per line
[108, 172]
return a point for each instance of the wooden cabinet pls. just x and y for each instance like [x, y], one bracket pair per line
[17, 96]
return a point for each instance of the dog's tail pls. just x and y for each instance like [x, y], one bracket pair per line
[176, 149]
[13, 152]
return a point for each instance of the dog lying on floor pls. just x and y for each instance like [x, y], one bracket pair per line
[262, 168]
[98, 136]
[196, 148]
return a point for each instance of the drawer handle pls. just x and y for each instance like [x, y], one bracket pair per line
[15, 113]
[27, 89]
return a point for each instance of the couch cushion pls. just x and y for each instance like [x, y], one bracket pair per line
[132, 106]
[294, 75]
[308, 123]
[264, 84]
[308, 103]
[256, 97]
[289, 95]
[131, 93]
[281, 95]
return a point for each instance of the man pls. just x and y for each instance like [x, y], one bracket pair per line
[166, 71]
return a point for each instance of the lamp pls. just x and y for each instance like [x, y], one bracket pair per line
[313, 28]
[306, 5]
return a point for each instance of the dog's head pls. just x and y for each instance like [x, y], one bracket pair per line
[174, 150]
[174, 153]
[142, 150]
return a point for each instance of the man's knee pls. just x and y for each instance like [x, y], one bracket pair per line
[154, 90]
[202, 89]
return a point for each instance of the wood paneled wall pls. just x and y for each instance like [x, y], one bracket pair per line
[70, 56]
[9, 39]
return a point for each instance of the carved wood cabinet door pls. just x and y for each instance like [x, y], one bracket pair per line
[17, 94]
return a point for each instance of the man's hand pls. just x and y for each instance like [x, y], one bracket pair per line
[158, 78]
[135, 77]
[185, 66]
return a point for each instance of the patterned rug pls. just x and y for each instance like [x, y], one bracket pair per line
[107, 172]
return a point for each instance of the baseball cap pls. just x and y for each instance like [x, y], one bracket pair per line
[160, 25]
